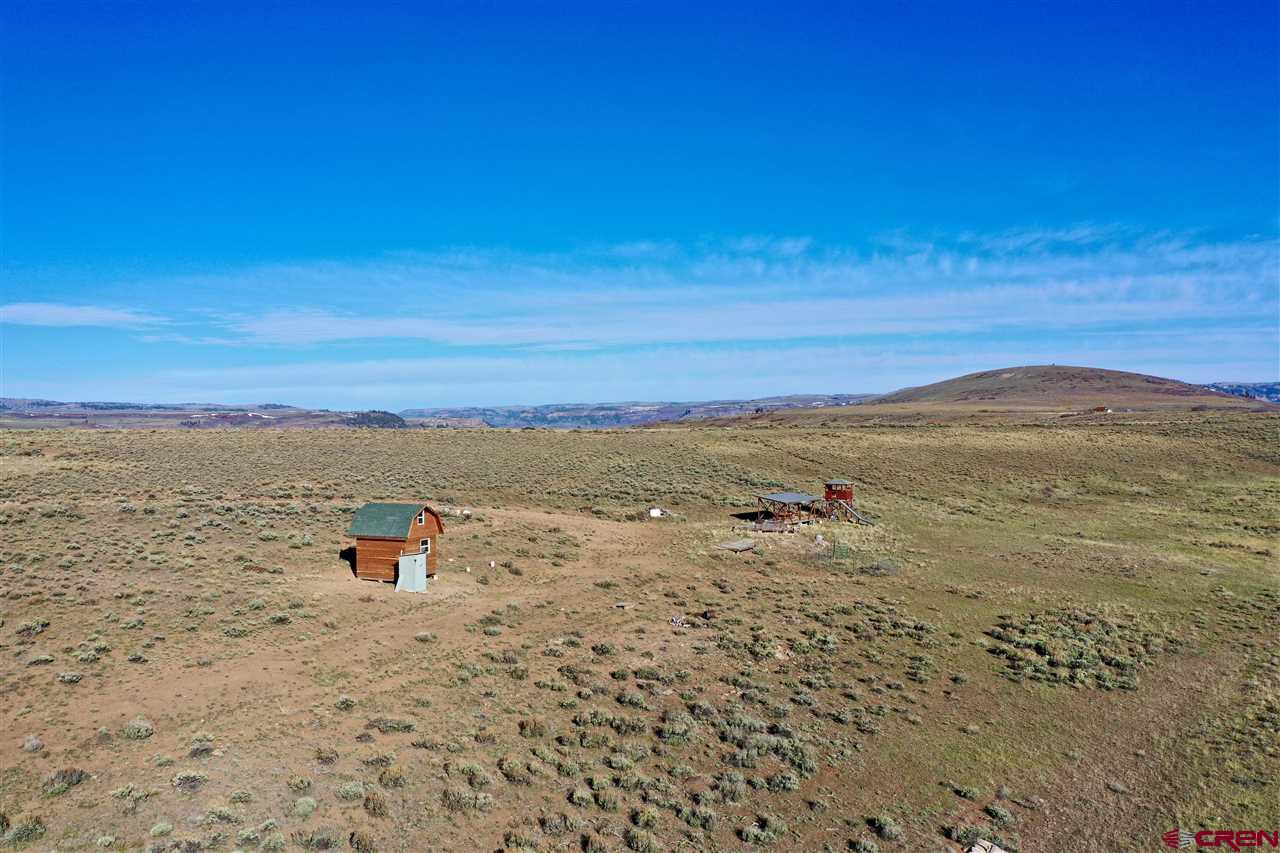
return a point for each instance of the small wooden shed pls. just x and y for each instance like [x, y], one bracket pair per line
[385, 531]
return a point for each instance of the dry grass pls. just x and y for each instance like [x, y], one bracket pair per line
[229, 668]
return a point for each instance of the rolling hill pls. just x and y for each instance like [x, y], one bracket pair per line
[1061, 386]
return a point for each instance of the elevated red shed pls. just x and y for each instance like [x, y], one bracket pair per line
[839, 490]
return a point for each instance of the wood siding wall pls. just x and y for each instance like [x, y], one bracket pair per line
[430, 530]
[839, 493]
[378, 559]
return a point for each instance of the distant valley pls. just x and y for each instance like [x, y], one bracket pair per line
[34, 413]
[601, 415]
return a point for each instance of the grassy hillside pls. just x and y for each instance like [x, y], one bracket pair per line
[1063, 386]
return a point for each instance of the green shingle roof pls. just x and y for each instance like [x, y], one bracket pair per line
[389, 520]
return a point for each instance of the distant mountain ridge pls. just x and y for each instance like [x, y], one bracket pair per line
[1269, 391]
[32, 404]
[604, 415]
[1033, 387]
[25, 412]
[32, 412]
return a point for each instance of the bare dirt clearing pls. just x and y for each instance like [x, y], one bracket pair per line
[189, 665]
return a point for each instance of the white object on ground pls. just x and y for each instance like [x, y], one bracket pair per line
[981, 846]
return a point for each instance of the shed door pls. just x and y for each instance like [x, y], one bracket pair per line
[413, 573]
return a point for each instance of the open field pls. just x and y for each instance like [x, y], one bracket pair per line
[1062, 633]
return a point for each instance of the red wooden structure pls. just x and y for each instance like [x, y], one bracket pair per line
[839, 490]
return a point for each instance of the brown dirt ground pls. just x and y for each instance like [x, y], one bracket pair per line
[865, 695]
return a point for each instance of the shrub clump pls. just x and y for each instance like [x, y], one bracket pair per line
[699, 817]
[515, 771]
[189, 781]
[375, 804]
[765, 831]
[532, 728]
[560, 824]
[362, 842]
[1079, 647]
[63, 781]
[32, 627]
[392, 777]
[350, 791]
[316, 840]
[999, 815]
[389, 725]
[139, 728]
[632, 699]
[640, 841]
[465, 801]
[676, 728]
[885, 827]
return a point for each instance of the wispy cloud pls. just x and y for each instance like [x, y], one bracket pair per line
[755, 289]
[662, 320]
[665, 372]
[58, 314]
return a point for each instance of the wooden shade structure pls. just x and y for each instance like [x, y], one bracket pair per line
[788, 507]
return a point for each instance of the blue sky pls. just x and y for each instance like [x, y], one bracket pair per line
[449, 204]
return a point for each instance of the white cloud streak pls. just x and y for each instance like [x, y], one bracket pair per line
[58, 314]
[685, 372]
[662, 320]
[752, 289]
[661, 372]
